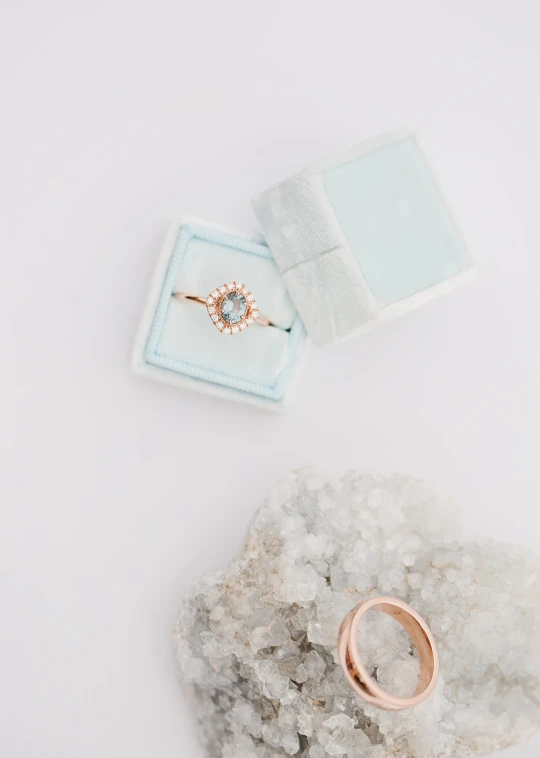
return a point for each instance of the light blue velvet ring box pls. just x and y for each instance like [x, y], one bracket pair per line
[347, 244]
[178, 344]
[363, 237]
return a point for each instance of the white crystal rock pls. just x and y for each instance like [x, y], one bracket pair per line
[256, 641]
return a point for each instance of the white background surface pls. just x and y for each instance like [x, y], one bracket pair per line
[115, 117]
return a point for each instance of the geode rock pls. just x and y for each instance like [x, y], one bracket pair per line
[256, 641]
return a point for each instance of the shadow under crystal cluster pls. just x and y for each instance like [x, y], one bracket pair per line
[256, 641]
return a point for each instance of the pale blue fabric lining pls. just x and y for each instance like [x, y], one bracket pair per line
[275, 392]
[396, 221]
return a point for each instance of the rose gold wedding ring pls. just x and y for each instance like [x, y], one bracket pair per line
[355, 671]
[231, 307]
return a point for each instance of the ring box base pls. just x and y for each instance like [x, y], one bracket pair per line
[178, 344]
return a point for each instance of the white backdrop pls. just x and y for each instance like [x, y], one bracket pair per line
[117, 115]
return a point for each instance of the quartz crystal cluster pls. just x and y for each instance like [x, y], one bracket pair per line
[256, 641]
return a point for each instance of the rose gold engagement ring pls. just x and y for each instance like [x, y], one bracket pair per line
[355, 671]
[231, 307]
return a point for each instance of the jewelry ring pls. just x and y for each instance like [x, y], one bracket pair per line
[355, 671]
[231, 307]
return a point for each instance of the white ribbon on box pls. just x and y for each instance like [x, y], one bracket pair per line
[314, 258]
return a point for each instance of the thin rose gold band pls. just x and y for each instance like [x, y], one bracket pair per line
[355, 671]
[262, 320]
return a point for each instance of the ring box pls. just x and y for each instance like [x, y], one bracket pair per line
[348, 243]
[178, 344]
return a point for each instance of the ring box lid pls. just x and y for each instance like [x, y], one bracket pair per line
[363, 237]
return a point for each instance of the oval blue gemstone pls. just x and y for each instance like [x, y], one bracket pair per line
[233, 308]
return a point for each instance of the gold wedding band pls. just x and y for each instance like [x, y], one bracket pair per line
[355, 671]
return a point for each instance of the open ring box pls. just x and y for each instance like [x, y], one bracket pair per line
[348, 243]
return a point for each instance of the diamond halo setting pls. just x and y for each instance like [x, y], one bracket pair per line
[232, 308]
